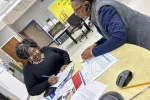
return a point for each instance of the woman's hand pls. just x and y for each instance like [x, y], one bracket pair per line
[52, 79]
[86, 54]
[63, 68]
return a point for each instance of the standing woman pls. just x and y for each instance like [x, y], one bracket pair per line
[117, 23]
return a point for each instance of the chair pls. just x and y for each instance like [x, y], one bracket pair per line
[77, 23]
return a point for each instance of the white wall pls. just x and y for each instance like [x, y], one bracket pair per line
[39, 12]
[141, 6]
[2, 24]
[15, 13]
[5, 34]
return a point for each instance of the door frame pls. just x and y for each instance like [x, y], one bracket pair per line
[6, 42]
[33, 21]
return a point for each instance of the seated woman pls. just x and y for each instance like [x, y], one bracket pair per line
[45, 61]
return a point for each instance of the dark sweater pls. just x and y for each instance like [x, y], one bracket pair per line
[54, 59]
[113, 25]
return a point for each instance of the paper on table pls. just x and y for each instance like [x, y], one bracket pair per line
[91, 91]
[96, 66]
[64, 75]
[66, 91]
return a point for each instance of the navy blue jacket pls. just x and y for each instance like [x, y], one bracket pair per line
[113, 25]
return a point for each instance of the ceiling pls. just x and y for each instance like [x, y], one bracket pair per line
[6, 6]
[13, 9]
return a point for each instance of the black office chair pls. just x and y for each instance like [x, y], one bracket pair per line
[77, 23]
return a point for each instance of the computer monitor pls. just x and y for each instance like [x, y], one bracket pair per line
[58, 27]
[74, 20]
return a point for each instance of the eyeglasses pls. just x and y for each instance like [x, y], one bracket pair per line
[76, 11]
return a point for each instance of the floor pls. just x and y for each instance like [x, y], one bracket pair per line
[75, 50]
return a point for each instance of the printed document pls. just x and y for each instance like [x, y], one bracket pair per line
[91, 91]
[94, 67]
[64, 76]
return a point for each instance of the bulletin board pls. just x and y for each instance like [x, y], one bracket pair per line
[61, 9]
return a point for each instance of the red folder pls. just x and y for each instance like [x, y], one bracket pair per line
[77, 80]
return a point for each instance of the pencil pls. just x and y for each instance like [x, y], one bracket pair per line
[135, 85]
[140, 93]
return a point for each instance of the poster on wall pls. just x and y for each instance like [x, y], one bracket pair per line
[61, 9]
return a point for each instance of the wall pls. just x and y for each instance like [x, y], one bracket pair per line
[18, 10]
[38, 12]
[5, 34]
[2, 24]
[37, 35]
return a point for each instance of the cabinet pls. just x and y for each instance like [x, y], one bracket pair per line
[11, 87]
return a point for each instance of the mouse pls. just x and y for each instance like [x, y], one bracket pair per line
[124, 78]
[112, 95]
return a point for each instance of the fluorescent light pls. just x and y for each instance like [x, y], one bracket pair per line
[10, 1]
[6, 6]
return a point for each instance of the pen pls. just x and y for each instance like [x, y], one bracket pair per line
[140, 93]
[45, 76]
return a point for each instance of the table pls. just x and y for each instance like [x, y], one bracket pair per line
[130, 57]
[62, 32]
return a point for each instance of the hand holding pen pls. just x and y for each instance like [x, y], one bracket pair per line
[53, 79]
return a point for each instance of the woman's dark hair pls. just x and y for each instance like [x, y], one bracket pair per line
[22, 48]
[30, 42]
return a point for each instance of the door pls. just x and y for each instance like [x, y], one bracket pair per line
[9, 49]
